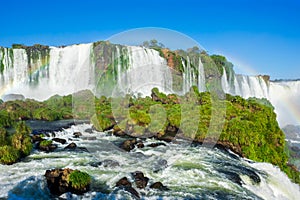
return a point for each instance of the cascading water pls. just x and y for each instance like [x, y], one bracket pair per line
[284, 95]
[146, 70]
[190, 172]
[201, 77]
[39, 75]
[63, 71]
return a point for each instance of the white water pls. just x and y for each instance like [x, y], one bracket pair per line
[201, 77]
[189, 172]
[146, 70]
[284, 95]
[69, 70]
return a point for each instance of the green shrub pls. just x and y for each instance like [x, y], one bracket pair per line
[3, 136]
[21, 140]
[8, 155]
[79, 180]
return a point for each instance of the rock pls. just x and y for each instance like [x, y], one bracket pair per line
[109, 163]
[77, 134]
[119, 133]
[234, 177]
[59, 183]
[89, 130]
[132, 191]
[140, 145]
[160, 165]
[156, 144]
[128, 145]
[47, 148]
[140, 180]
[59, 140]
[124, 182]
[57, 180]
[82, 149]
[159, 186]
[71, 146]
[36, 138]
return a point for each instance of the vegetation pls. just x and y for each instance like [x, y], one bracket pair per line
[16, 146]
[249, 127]
[45, 143]
[79, 180]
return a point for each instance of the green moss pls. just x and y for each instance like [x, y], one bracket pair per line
[79, 180]
[45, 143]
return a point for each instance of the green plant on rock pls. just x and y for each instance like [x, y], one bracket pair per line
[45, 143]
[79, 180]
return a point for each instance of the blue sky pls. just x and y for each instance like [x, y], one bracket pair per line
[259, 37]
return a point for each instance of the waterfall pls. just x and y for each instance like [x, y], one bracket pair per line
[41, 73]
[189, 77]
[63, 71]
[201, 77]
[146, 70]
[225, 83]
[283, 95]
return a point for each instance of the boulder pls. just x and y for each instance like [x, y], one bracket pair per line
[159, 186]
[125, 184]
[156, 144]
[109, 163]
[59, 140]
[47, 147]
[77, 134]
[71, 146]
[140, 145]
[128, 145]
[36, 138]
[89, 130]
[59, 181]
[140, 180]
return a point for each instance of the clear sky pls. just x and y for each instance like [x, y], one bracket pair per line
[259, 37]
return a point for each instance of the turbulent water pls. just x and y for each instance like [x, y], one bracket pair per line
[190, 172]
